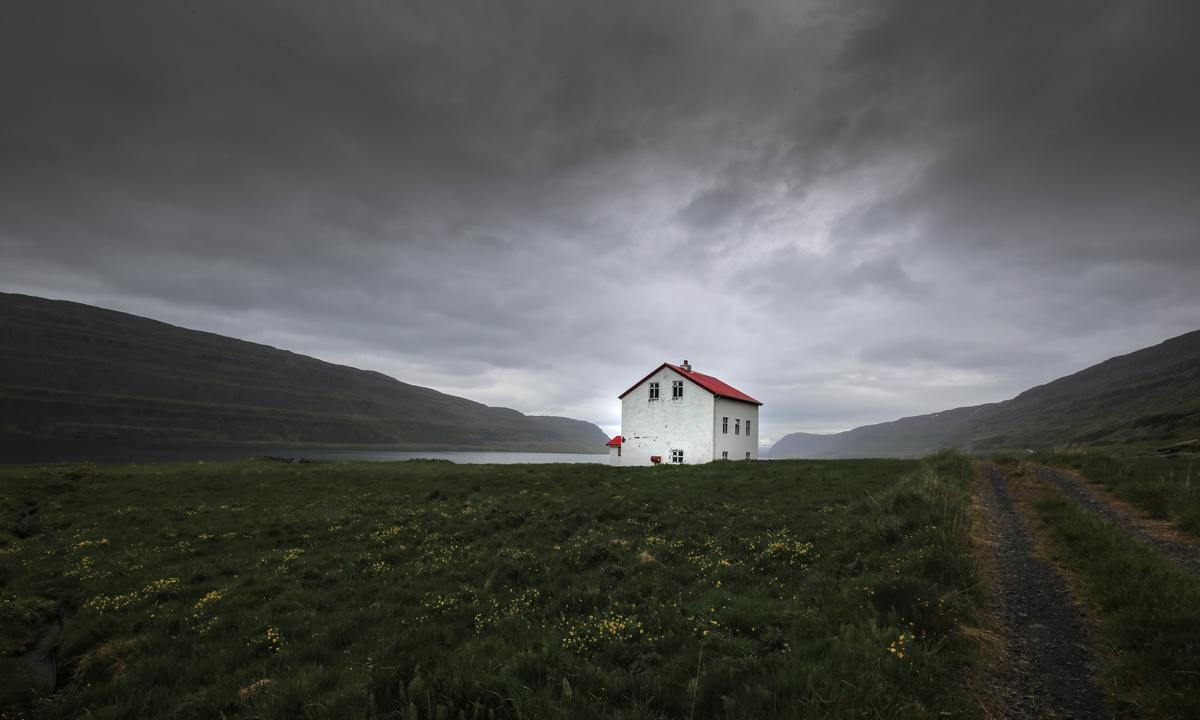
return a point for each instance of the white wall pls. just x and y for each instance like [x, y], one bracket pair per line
[736, 445]
[656, 427]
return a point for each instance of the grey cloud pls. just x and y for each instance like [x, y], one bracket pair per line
[712, 208]
[944, 352]
[884, 274]
[535, 202]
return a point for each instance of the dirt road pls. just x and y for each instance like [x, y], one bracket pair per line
[1047, 669]
[1158, 533]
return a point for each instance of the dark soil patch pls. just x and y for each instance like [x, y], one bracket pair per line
[1158, 533]
[1048, 668]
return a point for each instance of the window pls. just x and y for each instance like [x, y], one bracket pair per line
[747, 427]
[653, 391]
[724, 454]
[747, 454]
[724, 426]
[618, 451]
[737, 427]
[676, 389]
[677, 456]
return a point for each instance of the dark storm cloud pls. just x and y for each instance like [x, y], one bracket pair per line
[855, 210]
[1066, 129]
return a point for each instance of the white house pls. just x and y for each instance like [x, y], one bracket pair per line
[677, 415]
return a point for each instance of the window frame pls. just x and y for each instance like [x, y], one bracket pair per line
[676, 457]
[724, 425]
[676, 389]
[654, 391]
[737, 426]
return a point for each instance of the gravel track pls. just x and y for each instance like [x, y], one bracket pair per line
[1048, 670]
[1148, 531]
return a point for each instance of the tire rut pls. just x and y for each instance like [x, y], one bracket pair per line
[1187, 554]
[1049, 668]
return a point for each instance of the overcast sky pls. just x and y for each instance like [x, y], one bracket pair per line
[853, 211]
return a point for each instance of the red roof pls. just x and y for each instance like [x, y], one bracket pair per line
[708, 382]
[616, 441]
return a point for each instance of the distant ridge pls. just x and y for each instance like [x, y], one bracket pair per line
[70, 371]
[1148, 398]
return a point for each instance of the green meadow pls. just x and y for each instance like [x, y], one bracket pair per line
[432, 590]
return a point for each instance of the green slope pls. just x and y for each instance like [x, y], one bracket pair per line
[1148, 398]
[74, 372]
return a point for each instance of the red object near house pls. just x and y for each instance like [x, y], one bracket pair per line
[656, 459]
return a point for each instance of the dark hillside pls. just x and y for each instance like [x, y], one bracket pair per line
[71, 371]
[1148, 398]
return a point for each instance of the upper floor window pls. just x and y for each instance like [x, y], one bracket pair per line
[747, 427]
[737, 427]
[724, 426]
[653, 391]
[677, 456]
[676, 389]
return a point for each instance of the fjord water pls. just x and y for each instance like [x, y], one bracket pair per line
[24, 452]
[457, 456]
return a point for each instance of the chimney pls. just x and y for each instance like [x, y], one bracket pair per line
[685, 366]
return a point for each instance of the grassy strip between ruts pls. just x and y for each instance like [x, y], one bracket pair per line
[1148, 609]
[1167, 488]
[426, 589]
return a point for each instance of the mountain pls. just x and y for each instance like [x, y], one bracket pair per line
[1148, 398]
[73, 372]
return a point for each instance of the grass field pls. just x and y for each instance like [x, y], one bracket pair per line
[426, 589]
